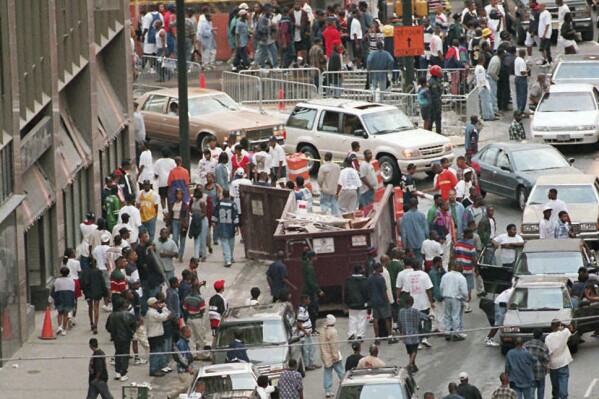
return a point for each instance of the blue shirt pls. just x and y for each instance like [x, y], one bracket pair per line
[471, 138]
[183, 356]
[221, 176]
[226, 217]
[380, 61]
[377, 288]
[414, 229]
[276, 272]
[241, 29]
[562, 230]
[519, 365]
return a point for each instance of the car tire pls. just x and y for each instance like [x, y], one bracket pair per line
[587, 35]
[521, 197]
[389, 169]
[202, 141]
[504, 350]
[312, 153]
[573, 346]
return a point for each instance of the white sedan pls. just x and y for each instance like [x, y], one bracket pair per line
[568, 114]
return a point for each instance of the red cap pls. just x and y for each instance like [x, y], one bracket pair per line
[219, 285]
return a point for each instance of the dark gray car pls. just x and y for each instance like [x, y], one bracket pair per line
[511, 169]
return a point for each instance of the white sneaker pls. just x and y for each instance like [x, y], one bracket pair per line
[139, 361]
[107, 308]
[63, 332]
[490, 342]
[124, 378]
[59, 330]
[426, 343]
[468, 309]
[463, 335]
[117, 376]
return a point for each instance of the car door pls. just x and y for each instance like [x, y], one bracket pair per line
[487, 166]
[153, 110]
[331, 136]
[503, 175]
[496, 276]
[353, 130]
[170, 121]
[587, 315]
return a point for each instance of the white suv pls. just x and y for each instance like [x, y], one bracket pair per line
[323, 125]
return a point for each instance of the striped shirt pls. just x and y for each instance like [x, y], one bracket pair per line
[465, 254]
[194, 305]
[304, 318]
[118, 282]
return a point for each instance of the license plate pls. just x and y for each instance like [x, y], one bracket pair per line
[563, 137]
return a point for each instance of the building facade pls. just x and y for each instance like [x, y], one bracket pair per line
[65, 107]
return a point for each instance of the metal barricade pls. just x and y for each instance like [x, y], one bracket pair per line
[162, 71]
[244, 89]
[283, 93]
[458, 81]
[358, 79]
[308, 75]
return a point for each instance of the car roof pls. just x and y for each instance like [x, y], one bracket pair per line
[578, 58]
[553, 245]
[237, 394]
[270, 311]
[565, 179]
[191, 92]
[538, 280]
[571, 88]
[375, 375]
[227, 368]
[520, 145]
[344, 104]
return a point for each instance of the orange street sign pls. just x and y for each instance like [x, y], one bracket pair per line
[408, 41]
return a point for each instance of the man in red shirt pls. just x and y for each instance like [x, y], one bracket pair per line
[330, 36]
[446, 180]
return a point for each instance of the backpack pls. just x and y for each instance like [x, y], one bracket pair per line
[152, 31]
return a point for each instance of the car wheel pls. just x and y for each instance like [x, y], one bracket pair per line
[587, 35]
[504, 350]
[202, 141]
[521, 197]
[311, 153]
[430, 174]
[389, 169]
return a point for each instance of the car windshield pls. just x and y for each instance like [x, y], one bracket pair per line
[574, 194]
[204, 105]
[538, 159]
[254, 333]
[550, 263]
[389, 121]
[378, 391]
[229, 382]
[577, 70]
[539, 298]
[567, 102]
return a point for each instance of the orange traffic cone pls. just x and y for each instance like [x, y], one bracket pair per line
[47, 330]
[202, 81]
[6, 330]
[281, 105]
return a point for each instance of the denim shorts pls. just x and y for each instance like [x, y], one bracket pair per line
[469, 280]
[499, 315]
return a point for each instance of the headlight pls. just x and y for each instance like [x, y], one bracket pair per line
[237, 132]
[278, 128]
[541, 128]
[411, 153]
[588, 226]
[448, 147]
[585, 127]
[512, 329]
[530, 228]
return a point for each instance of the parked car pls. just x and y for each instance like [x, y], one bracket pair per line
[576, 68]
[511, 169]
[567, 114]
[323, 125]
[226, 380]
[211, 114]
[581, 194]
[538, 300]
[384, 382]
[269, 332]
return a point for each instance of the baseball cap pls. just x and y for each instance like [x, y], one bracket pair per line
[463, 375]
[272, 138]
[195, 260]
[371, 250]
[239, 172]
[219, 285]
[355, 345]
[105, 237]
[487, 32]
[242, 11]
[152, 301]
[547, 208]
[146, 182]
[244, 6]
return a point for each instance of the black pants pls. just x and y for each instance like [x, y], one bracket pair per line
[121, 362]
[503, 92]
[546, 46]
[313, 309]
[435, 119]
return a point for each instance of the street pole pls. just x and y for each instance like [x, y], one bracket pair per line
[408, 62]
[182, 82]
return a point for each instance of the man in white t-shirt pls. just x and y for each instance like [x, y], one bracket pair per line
[347, 188]
[557, 205]
[261, 160]
[205, 165]
[214, 150]
[521, 73]
[420, 287]
[436, 46]
[355, 34]
[162, 168]
[146, 164]
[149, 32]
[497, 24]
[134, 223]
[561, 12]
[480, 76]
[544, 32]
[369, 180]
[559, 357]
[509, 243]
[278, 162]
[431, 247]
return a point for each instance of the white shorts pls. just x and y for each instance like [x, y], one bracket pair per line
[530, 40]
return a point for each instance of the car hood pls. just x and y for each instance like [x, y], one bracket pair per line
[270, 355]
[533, 318]
[579, 213]
[238, 120]
[414, 138]
[531, 175]
[553, 119]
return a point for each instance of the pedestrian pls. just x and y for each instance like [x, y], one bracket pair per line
[446, 178]
[457, 210]
[559, 358]
[330, 355]
[454, 290]
[371, 361]
[291, 384]
[94, 288]
[236, 351]
[544, 32]
[125, 181]
[509, 243]
[98, 373]
[424, 101]
[352, 360]
[556, 204]
[147, 202]
[132, 222]
[465, 254]
[414, 229]
[537, 90]
[328, 177]
[379, 302]
[167, 250]
[471, 136]
[519, 365]
[264, 41]
[121, 324]
[493, 69]
[207, 36]
[547, 226]
[198, 226]
[225, 219]
[347, 188]
[63, 296]
[504, 391]
[436, 274]
[402, 281]
[310, 286]
[70, 261]
[217, 305]
[206, 165]
[84, 249]
[278, 164]
[484, 90]
[118, 281]
[146, 164]
[369, 180]
[194, 305]
[419, 286]
[537, 348]
[409, 321]
[435, 90]
[304, 325]
[184, 359]
[302, 193]
[453, 389]
[277, 276]
[334, 76]
[487, 226]
[177, 221]
[253, 299]
[522, 72]
[379, 64]
[436, 48]
[500, 305]
[162, 169]
[154, 320]
[111, 207]
[467, 390]
[356, 300]
[178, 178]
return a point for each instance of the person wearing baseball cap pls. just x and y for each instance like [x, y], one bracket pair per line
[278, 160]
[352, 360]
[153, 321]
[465, 389]
[547, 224]
[217, 305]
[330, 354]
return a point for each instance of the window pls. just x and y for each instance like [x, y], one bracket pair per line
[489, 155]
[329, 122]
[570, 194]
[503, 161]
[567, 102]
[6, 171]
[302, 118]
[351, 124]
[155, 104]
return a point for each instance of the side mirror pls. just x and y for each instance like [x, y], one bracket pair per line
[571, 160]
[361, 133]
[294, 340]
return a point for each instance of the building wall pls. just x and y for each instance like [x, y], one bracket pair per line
[65, 107]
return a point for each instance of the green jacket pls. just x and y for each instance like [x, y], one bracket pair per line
[310, 286]
[435, 275]
[395, 266]
[112, 206]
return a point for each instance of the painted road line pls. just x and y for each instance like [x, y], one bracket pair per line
[590, 388]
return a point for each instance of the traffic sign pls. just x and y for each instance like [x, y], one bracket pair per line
[408, 41]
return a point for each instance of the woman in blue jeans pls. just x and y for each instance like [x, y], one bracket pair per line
[198, 229]
[178, 221]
